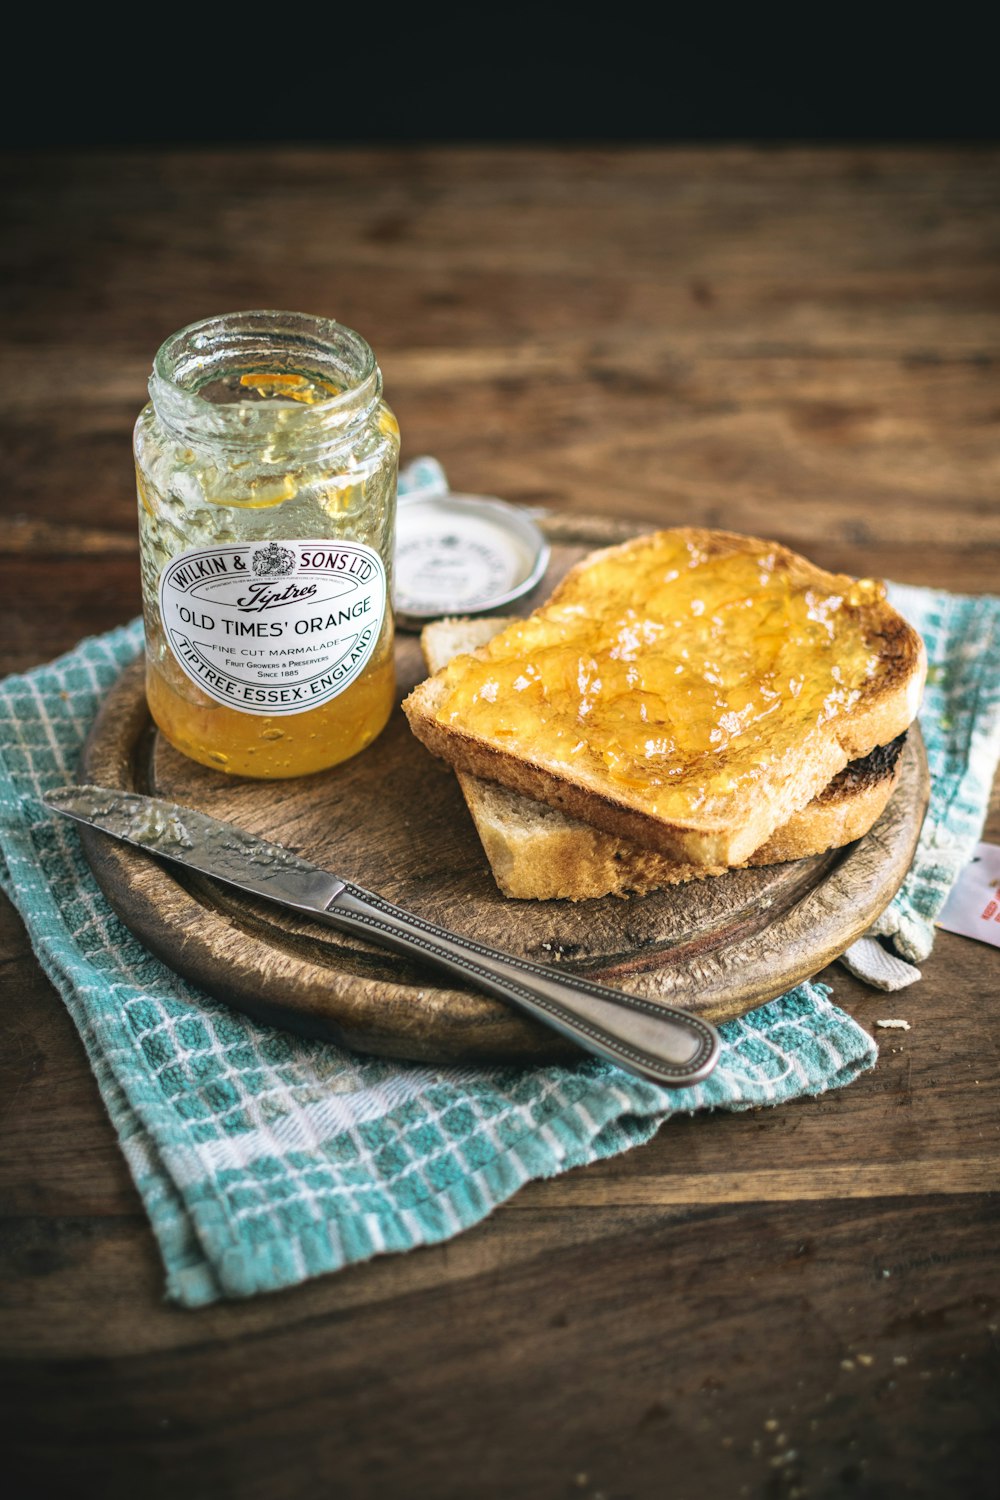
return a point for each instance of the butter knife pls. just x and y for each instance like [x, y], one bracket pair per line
[656, 1041]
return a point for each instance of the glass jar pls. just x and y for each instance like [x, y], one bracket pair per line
[266, 468]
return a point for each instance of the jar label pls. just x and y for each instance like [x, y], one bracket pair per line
[274, 627]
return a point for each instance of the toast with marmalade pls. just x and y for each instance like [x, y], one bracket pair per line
[538, 853]
[689, 692]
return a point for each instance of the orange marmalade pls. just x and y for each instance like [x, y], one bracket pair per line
[266, 472]
[677, 668]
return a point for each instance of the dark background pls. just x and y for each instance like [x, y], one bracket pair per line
[511, 74]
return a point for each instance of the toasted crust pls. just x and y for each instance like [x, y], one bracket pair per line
[842, 812]
[888, 705]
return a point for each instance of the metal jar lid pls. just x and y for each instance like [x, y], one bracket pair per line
[463, 555]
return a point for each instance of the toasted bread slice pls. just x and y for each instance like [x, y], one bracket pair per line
[758, 678]
[538, 853]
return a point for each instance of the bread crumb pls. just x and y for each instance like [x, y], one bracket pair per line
[893, 1025]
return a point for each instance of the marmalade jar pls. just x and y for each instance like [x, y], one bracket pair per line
[266, 468]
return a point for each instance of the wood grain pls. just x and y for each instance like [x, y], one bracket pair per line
[797, 342]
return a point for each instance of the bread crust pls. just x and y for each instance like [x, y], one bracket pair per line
[888, 705]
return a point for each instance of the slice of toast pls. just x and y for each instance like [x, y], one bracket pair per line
[763, 675]
[538, 853]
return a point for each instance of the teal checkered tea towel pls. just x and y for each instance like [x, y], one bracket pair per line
[263, 1159]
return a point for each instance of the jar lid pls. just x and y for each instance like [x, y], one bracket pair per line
[463, 555]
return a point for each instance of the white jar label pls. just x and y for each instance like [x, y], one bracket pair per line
[274, 627]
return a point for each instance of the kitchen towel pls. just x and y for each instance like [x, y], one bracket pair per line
[264, 1159]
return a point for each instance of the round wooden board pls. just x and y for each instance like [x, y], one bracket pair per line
[393, 820]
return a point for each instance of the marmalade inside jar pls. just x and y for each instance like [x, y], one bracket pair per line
[675, 669]
[270, 747]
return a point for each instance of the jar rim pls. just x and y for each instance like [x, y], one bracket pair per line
[308, 329]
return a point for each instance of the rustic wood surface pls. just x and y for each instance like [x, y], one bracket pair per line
[799, 1302]
[394, 821]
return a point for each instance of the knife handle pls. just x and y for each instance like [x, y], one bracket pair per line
[658, 1042]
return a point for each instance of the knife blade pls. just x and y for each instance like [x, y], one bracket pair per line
[655, 1041]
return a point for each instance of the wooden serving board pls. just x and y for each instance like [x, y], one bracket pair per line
[393, 820]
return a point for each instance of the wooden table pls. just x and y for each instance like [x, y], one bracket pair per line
[798, 1302]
